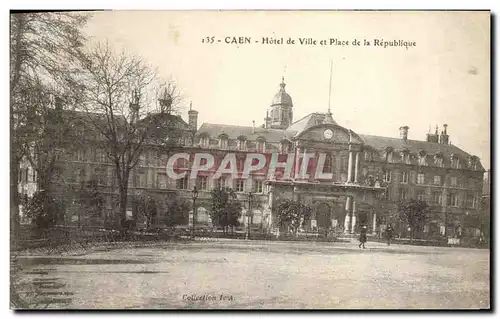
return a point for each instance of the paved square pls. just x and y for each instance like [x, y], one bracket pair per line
[260, 274]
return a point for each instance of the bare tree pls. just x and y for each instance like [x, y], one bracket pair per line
[127, 105]
[42, 48]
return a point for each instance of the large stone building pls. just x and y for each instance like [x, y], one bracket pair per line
[369, 174]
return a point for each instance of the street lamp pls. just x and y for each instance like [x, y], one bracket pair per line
[248, 214]
[195, 196]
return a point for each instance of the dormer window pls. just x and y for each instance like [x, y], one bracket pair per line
[204, 141]
[438, 160]
[261, 145]
[473, 163]
[223, 141]
[422, 158]
[405, 156]
[242, 143]
[388, 154]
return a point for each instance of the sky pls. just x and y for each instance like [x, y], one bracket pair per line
[443, 79]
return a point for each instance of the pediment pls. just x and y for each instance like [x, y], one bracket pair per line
[329, 133]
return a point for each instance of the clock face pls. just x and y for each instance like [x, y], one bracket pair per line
[328, 134]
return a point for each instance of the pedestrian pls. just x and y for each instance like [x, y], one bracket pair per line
[362, 237]
[389, 232]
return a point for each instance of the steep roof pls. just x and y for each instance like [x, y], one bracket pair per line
[233, 131]
[309, 121]
[414, 146]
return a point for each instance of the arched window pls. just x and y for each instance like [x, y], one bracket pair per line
[223, 141]
[328, 164]
[276, 115]
[242, 143]
[422, 158]
[261, 144]
[284, 147]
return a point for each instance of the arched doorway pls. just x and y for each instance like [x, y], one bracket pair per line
[323, 216]
[363, 219]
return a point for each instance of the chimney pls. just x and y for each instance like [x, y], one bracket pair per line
[253, 127]
[444, 138]
[433, 138]
[267, 120]
[403, 132]
[192, 118]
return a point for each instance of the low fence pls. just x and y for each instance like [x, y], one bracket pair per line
[438, 242]
[60, 239]
[63, 239]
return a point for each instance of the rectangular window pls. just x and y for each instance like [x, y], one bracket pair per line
[100, 176]
[403, 194]
[404, 177]
[452, 200]
[470, 201]
[131, 180]
[387, 176]
[257, 186]
[472, 183]
[79, 155]
[221, 182]
[142, 182]
[240, 185]
[436, 198]
[437, 180]
[453, 181]
[99, 155]
[421, 196]
[203, 183]
[161, 180]
[182, 183]
[387, 194]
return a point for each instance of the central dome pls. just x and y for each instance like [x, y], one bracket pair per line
[282, 98]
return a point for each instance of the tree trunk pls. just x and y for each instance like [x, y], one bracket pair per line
[123, 204]
[14, 197]
[14, 144]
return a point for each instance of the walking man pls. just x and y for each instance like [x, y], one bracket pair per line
[389, 231]
[362, 237]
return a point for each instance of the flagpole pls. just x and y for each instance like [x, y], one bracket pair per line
[330, 89]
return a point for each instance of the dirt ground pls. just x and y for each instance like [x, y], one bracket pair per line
[260, 275]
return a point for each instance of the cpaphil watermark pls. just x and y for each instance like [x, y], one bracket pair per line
[274, 166]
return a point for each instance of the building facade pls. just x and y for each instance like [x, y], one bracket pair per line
[366, 175]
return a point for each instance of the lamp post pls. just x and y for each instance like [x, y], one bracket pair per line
[195, 196]
[249, 212]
